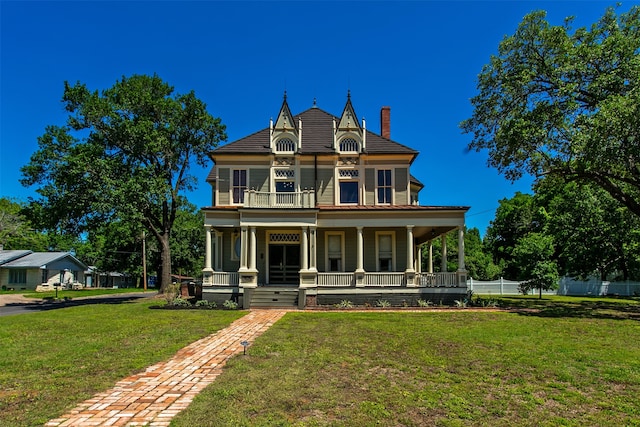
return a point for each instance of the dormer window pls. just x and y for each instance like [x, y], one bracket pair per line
[349, 145]
[285, 145]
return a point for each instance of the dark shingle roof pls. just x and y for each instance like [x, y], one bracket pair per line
[317, 138]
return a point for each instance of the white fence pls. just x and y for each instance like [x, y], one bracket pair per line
[567, 286]
[597, 287]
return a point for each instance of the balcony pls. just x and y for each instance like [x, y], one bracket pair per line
[290, 200]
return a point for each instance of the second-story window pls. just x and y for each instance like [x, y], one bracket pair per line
[239, 185]
[349, 186]
[384, 186]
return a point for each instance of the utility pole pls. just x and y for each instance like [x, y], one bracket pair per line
[144, 260]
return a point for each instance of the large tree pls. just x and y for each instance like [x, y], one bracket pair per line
[592, 231]
[124, 155]
[16, 231]
[515, 218]
[566, 103]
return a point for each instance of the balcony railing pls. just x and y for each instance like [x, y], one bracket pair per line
[263, 199]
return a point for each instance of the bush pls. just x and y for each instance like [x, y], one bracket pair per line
[230, 305]
[203, 303]
[383, 303]
[180, 302]
[344, 304]
[424, 303]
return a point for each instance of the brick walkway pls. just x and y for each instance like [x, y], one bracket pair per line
[155, 396]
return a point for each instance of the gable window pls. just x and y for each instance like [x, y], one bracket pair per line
[348, 145]
[384, 186]
[285, 145]
[384, 251]
[239, 185]
[335, 252]
[17, 277]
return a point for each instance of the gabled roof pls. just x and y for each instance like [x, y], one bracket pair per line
[10, 255]
[41, 259]
[285, 120]
[317, 138]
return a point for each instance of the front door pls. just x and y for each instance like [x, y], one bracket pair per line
[284, 264]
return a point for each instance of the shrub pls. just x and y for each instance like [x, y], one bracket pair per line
[203, 303]
[344, 304]
[171, 292]
[180, 302]
[230, 305]
[424, 303]
[383, 303]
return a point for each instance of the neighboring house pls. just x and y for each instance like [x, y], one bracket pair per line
[321, 209]
[24, 270]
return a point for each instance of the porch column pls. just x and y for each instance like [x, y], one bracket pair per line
[305, 249]
[252, 250]
[430, 260]
[313, 262]
[360, 255]
[207, 251]
[410, 266]
[462, 271]
[443, 264]
[461, 266]
[207, 271]
[243, 248]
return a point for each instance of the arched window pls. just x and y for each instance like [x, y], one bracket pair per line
[349, 144]
[286, 145]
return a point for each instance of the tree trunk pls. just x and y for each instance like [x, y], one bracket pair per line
[165, 260]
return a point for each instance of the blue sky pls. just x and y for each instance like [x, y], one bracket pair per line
[419, 57]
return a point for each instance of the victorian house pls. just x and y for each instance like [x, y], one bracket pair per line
[316, 209]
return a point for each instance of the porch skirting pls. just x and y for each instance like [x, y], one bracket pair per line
[330, 296]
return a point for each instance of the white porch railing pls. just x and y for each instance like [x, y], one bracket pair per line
[221, 278]
[384, 279]
[335, 279]
[371, 279]
[438, 279]
[263, 199]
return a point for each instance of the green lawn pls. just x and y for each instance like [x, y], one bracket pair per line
[567, 362]
[51, 361]
[440, 368]
[88, 292]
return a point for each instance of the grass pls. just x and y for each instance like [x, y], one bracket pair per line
[51, 361]
[444, 369]
[89, 292]
[559, 361]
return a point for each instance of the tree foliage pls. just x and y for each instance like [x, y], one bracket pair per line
[16, 230]
[515, 218]
[124, 155]
[595, 234]
[565, 103]
[534, 259]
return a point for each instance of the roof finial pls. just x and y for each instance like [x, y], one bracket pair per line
[348, 93]
[285, 94]
[315, 103]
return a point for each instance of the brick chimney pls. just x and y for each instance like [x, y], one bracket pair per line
[385, 122]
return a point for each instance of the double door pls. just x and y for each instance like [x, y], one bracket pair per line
[284, 264]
